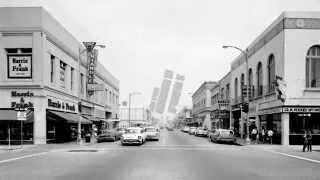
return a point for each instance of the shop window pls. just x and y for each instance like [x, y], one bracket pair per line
[300, 122]
[313, 67]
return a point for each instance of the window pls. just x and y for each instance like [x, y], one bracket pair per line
[222, 93]
[250, 83]
[242, 84]
[81, 83]
[313, 67]
[227, 91]
[52, 68]
[63, 67]
[259, 79]
[271, 73]
[72, 78]
[236, 89]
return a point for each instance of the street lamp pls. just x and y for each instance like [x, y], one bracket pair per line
[129, 109]
[245, 53]
[89, 46]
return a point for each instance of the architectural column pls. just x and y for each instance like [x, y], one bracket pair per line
[285, 128]
[40, 123]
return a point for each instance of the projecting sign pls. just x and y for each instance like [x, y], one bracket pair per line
[19, 66]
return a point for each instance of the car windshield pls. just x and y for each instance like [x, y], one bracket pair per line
[132, 131]
[151, 130]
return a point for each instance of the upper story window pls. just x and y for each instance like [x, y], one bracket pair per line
[313, 67]
[251, 83]
[271, 73]
[52, 59]
[222, 93]
[227, 91]
[236, 89]
[62, 75]
[72, 79]
[19, 63]
[81, 83]
[259, 79]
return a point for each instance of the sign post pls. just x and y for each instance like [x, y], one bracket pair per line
[21, 109]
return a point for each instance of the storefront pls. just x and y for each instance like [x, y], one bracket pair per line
[236, 117]
[303, 119]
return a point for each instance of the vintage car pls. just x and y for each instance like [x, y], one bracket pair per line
[200, 131]
[222, 135]
[152, 133]
[108, 135]
[133, 135]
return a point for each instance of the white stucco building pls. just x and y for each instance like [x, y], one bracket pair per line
[39, 63]
[288, 48]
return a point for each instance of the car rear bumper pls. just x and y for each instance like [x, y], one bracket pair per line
[150, 137]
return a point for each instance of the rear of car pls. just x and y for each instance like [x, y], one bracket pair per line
[152, 133]
[222, 135]
[107, 135]
[201, 132]
[186, 129]
[192, 130]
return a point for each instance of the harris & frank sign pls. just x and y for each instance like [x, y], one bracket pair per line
[19, 66]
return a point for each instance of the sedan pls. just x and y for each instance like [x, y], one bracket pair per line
[108, 135]
[192, 130]
[201, 132]
[133, 135]
[222, 135]
[152, 133]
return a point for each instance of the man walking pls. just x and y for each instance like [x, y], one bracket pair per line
[309, 141]
[270, 135]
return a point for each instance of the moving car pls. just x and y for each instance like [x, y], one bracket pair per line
[200, 131]
[108, 135]
[192, 130]
[222, 135]
[133, 135]
[152, 133]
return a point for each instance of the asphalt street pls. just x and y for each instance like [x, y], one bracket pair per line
[177, 156]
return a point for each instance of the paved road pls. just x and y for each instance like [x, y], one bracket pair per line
[177, 156]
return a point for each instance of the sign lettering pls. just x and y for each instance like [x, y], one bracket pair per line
[19, 66]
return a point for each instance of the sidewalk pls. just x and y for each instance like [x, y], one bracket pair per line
[290, 150]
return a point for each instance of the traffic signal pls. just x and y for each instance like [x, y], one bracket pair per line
[280, 88]
[245, 107]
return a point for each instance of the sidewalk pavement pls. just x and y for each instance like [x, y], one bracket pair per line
[16, 150]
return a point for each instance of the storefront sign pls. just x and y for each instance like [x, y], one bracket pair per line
[302, 109]
[19, 66]
[21, 94]
[21, 116]
[61, 105]
[22, 105]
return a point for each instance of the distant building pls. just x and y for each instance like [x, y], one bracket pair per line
[138, 116]
[154, 98]
[176, 93]
[164, 91]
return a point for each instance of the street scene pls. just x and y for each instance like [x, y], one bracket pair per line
[160, 89]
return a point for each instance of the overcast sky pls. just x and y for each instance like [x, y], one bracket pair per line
[145, 37]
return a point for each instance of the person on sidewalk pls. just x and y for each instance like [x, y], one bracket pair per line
[263, 135]
[254, 135]
[309, 141]
[270, 135]
[305, 141]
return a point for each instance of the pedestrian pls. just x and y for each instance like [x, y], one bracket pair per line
[254, 134]
[309, 141]
[270, 135]
[263, 134]
[305, 141]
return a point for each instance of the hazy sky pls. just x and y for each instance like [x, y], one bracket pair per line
[145, 37]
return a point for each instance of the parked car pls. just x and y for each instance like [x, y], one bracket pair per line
[192, 130]
[133, 135]
[222, 135]
[185, 129]
[108, 135]
[121, 131]
[152, 133]
[200, 131]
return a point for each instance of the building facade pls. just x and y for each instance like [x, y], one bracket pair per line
[138, 117]
[290, 50]
[40, 70]
[201, 100]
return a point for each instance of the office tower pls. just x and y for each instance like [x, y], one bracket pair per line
[176, 93]
[165, 86]
[155, 94]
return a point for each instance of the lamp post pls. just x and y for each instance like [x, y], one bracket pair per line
[129, 108]
[245, 53]
[87, 48]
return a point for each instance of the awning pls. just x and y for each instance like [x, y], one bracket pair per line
[70, 117]
[11, 115]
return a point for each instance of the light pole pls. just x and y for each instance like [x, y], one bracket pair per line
[245, 53]
[87, 48]
[129, 108]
